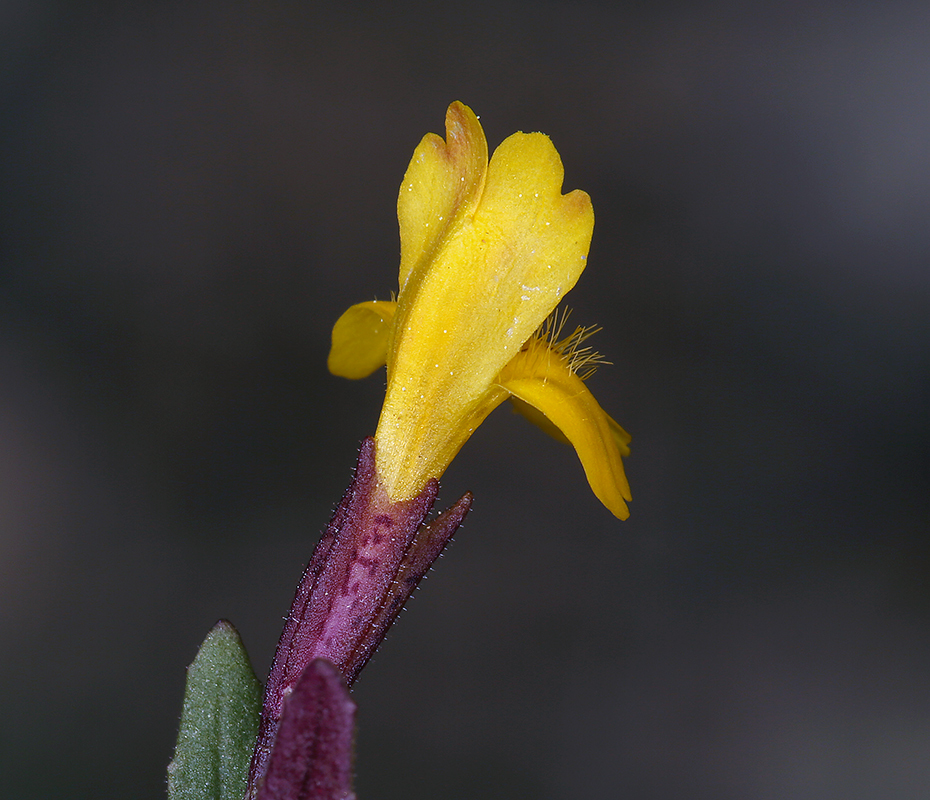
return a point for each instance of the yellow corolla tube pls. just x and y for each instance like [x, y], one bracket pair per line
[488, 250]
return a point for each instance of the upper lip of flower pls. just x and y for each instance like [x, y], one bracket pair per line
[487, 252]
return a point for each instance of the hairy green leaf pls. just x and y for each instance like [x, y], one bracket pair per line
[219, 722]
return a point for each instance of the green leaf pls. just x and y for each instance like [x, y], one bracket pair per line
[219, 723]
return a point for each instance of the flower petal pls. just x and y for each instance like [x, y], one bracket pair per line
[442, 185]
[489, 281]
[549, 386]
[360, 339]
[540, 420]
[621, 437]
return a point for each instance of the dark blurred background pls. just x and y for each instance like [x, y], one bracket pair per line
[193, 192]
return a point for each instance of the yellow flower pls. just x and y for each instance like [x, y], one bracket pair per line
[487, 252]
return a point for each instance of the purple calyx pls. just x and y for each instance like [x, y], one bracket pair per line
[371, 557]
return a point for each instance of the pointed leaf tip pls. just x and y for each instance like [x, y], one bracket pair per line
[219, 721]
